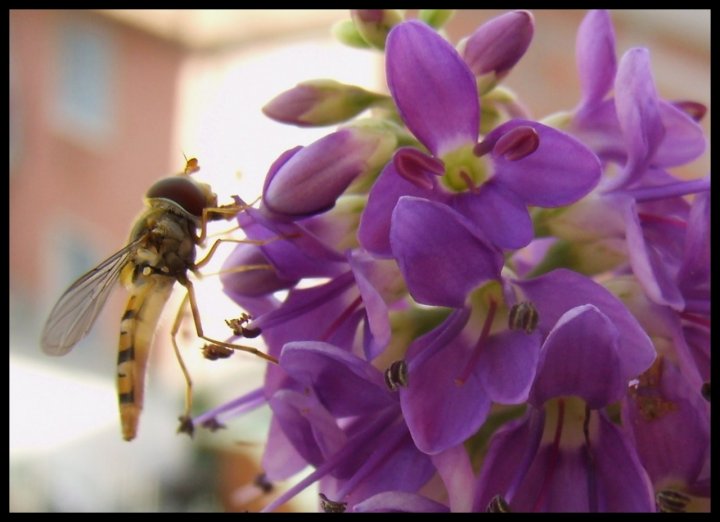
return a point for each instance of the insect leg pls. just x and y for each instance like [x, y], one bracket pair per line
[205, 260]
[198, 327]
[186, 425]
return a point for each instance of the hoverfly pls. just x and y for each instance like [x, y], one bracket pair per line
[160, 251]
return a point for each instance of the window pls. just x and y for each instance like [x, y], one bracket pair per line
[85, 83]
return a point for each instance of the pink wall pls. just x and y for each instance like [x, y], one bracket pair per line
[59, 175]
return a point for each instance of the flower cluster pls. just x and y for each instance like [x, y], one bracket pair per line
[473, 310]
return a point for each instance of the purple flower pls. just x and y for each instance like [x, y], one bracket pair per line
[319, 102]
[308, 180]
[670, 424]
[437, 98]
[563, 458]
[578, 460]
[369, 454]
[497, 45]
[458, 369]
[635, 129]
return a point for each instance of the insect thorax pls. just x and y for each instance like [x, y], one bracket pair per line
[169, 247]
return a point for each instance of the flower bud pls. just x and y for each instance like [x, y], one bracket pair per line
[240, 279]
[436, 17]
[375, 24]
[346, 32]
[319, 102]
[308, 180]
[497, 45]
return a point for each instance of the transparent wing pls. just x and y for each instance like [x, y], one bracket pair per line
[76, 310]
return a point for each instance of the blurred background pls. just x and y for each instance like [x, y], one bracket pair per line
[105, 102]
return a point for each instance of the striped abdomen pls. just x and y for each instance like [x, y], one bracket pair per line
[148, 296]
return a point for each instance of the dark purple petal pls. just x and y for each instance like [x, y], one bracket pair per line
[510, 454]
[345, 384]
[595, 56]
[291, 248]
[580, 357]
[638, 111]
[622, 483]
[698, 343]
[438, 253]
[311, 429]
[684, 139]
[498, 44]
[558, 291]
[434, 90]
[507, 365]
[598, 128]
[559, 172]
[394, 464]
[312, 179]
[439, 412]
[671, 425]
[654, 271]
[280, 459]
[376, 309]
[498, 212]
[374, 230]
[557, 482]
[694, 273]
[399, 502]
[255, 282]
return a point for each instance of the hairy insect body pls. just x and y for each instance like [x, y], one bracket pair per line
[164, 257]
[160, 251]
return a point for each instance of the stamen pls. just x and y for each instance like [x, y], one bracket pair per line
[649, 219]
[592, 487]
[517, 143]
[243, 404]
[375, 429]
[705, 390]
[669, 501]
[523, 316]
[262, 482]
[695, 110]
[702, 321]
[341, 319]
[213, 425]
[478, 346]
[553, 457]
[452, 326]
[393, 438]
[483, 148]
[467, 179]
[396, 375]
[670, 190]
[330, 506]
[417, 167]
[497, 505]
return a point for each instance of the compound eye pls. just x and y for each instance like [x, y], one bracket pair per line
[181, 191]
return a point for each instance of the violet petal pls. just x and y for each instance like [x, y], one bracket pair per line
[432, 86]
[439, 255]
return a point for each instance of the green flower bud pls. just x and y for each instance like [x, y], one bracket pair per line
[436, 17]
[375, 24]
[320, 102]
[346, 32]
